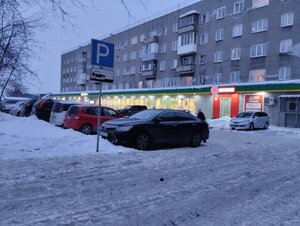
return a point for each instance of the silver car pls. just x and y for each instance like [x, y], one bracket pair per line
[250, 120]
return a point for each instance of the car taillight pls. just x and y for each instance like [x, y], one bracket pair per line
[77, 117]
[42, 104]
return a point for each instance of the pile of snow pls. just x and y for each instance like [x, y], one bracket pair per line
[222, 123]
[22, 137]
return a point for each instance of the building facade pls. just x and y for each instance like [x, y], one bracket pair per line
[224, 56]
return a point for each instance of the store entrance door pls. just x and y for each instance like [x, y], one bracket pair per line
[225, 106]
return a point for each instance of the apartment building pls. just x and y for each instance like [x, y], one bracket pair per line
[245, 47]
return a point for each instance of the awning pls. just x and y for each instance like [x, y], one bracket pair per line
[290, 96]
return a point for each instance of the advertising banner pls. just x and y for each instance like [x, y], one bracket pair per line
[253, 102]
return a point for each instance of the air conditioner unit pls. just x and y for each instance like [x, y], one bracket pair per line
[269, 101]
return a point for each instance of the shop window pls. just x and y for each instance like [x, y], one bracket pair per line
[291, 106]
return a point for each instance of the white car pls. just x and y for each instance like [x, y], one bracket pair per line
[7, 108]
[250, 120]
[58, 112]
[17, 108]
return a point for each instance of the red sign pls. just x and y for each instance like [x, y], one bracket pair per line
[253, 102]
[222, 90]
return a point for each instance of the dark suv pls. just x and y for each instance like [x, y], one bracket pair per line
[42, 109]
[132, 109]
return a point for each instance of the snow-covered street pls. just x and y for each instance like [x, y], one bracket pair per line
[51, 176]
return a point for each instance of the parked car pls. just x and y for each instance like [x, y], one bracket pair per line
[146, 128]
[8, 107]
[17, 108]
[27, 107]
[84, 118]
[58, 112]
[42, 109]
[250, 120]
[132, 109]
[8, 103]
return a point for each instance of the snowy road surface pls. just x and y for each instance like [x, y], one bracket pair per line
[237, 178]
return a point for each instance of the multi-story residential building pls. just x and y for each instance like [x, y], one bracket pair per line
[220, 55]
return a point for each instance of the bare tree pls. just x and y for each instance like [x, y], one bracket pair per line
[17, 29]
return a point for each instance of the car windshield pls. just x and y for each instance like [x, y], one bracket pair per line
[245, 115]
[145, 115]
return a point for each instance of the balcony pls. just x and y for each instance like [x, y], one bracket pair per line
[149, 74]
[81, 79]
[150, 56]
[185, 29]
[187, 49]
[185, 69]
[151, 39]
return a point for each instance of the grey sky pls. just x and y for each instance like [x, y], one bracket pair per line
[104, 17]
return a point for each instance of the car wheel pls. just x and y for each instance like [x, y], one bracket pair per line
[195, 139]
[86, 129]
[143, 141]
[251, 127]
[266, 125]
[232, 128]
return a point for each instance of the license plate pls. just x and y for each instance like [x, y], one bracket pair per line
[103, 134]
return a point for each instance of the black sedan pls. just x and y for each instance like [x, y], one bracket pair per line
[146, 128]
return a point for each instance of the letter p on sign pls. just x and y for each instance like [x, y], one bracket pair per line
[102, 54]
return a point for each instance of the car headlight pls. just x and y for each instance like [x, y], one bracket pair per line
[123, 128]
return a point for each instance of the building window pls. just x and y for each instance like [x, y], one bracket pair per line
[257, 75]
[132, 70]
[133, 55]
[188, 38]
[162, 65]
[217, 78]
[186, 21]
[174, 45]
[259, 3]
[200, 80]
[203, 38]
[236, 54]
[118, 72]
[202, 59]
[287, 19]
[142, 37]
[260, 25]
[237, 30]
[163, 48]
[284, 73]
[258, 50]
[125, 43]
[150, 48]
[188, 60]
[220, 34]
[286, 46]
[134, 40]
[235, 76]
[175, 27]
[218, 57]
[238, 7]
[221, 12]
[125, 57]
[164, 30]
[204, 18]
[174, 64]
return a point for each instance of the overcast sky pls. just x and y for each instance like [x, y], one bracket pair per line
[102, 18]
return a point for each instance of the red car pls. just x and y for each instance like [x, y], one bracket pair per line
[84, 118]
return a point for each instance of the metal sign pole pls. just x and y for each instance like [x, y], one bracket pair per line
[99, 113]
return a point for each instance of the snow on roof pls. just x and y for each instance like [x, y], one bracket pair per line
[189, 13]
[262, 83]
[290, 96]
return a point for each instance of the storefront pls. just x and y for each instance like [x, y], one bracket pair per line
[279, 99]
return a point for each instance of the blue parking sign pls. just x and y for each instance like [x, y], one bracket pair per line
[102, 54]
